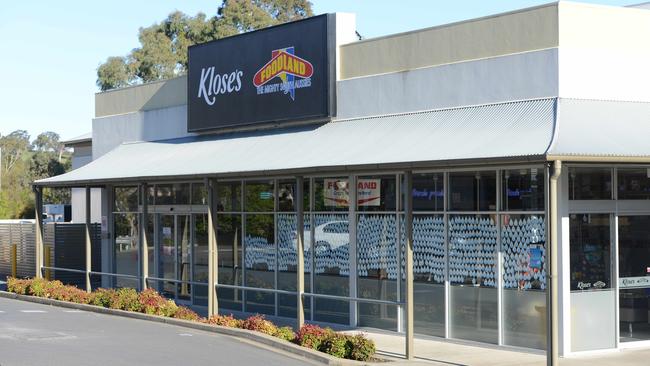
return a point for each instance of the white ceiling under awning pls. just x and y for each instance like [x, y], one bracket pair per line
[504, 130]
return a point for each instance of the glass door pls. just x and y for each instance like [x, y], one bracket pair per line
[634, 277]
[174, 256]
[167, 254]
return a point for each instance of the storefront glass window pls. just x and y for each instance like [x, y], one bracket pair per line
[229, 196]
[523, 243]
[523, 189]
[633, 183]
[472, 191]
[287, 194]
[377, 267]
[288, 262]
[472, 274]
[377, 193]
[126, 199]
[229, 248]
[428, 192]
[200, 258]
[199, 194]
[331, 267]
[259, 249]
[126, 247]
[590, 183]
[634, 277]
[259, 196]
[590, 248]
[331, 194]
[429, 274]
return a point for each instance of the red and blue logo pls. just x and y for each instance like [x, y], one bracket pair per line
[294, 73]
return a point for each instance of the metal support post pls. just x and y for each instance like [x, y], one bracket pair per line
[213, 304]
[38, 192]
[552, 352]
[300, 251]
[88, 243]
[144, 241]
[408, 233]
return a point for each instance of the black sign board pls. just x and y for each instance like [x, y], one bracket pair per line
[275, 75]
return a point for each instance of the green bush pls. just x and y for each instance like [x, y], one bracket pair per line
[41, 287]
[336, 344]
[360, 348]
[103, 297]
[311, 336]
[285, 333]
[126, 299]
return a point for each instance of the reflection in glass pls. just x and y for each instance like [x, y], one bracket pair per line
[166, 254]
[633, 183]
[523, 189]
[590, 248]
[429, 274]
[634, 277]
[199, 194]
[590, 183]
[259, 196]
[183, 290]
[259, 249]
[331, 266]
[377, 193]
[523, 243]
[200, 258]
[377, 269]
[331, 194]
[125, 248]
[288, 261]
[472, 191]
[229, 196]
[428, 192]
[472, 274]
[126, 199]
[229, 257]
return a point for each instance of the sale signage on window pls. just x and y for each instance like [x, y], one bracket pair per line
[337, 192]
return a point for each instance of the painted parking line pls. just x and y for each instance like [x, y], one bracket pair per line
[33, 311]
[2, 311]
[184, 334]
[72, 311]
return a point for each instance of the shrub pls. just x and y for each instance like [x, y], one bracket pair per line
[70, 294]
[259, 324]
[18, 286]
[41, 287]
[103, 297]
[186, 314]
[285, 333]
[311, 336]
[153, 303]
[224, 321]
[126, 299]
[335, 344]
[360, 348]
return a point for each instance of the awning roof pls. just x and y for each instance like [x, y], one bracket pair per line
[596, 128]
[505, 130]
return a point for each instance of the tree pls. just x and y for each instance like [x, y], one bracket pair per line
[163, 46]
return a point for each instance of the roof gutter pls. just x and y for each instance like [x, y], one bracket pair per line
[598, 159]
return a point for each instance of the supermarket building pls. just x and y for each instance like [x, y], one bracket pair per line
[468, 157]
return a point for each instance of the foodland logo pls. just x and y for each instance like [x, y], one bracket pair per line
[293, 71]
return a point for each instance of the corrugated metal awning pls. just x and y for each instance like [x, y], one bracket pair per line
[602, 129]
[504, 130]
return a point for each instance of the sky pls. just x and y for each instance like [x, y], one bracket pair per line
[51, 50]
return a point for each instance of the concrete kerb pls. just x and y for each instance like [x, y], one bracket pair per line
[264, 339]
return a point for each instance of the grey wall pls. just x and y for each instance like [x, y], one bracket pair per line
[514, 77]
[157, 124]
